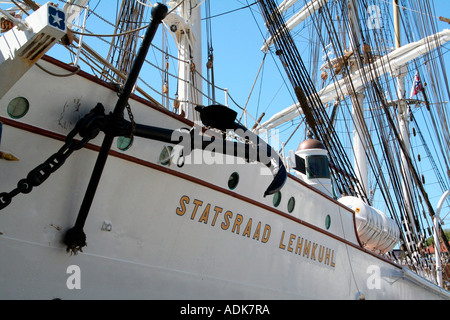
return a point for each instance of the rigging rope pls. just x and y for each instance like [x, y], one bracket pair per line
[374, 43]
[315, 114]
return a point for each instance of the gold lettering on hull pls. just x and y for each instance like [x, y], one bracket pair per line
[207, 213]
[236, 223]
[307, 249]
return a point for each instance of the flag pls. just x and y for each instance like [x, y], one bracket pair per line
[417, 85]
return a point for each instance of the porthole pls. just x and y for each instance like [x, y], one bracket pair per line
[291, 204]
[328, 222]
[233, 180]
[165, 155]
[277, 199]
[124, 143]
[18, 107]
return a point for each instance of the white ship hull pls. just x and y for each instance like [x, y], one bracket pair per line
[167, 232]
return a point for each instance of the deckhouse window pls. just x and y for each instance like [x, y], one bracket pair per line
[317, 167]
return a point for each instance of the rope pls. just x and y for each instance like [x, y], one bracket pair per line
[56, 74]
[310, 103]
[126, 32]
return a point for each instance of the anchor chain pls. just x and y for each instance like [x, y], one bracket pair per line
[87, 127]
[130, 113]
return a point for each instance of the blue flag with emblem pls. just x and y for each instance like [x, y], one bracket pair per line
[56, 18]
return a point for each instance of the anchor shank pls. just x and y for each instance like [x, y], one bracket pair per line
[159, 12]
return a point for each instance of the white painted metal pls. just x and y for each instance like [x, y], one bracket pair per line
[189, 39]
[21, 47]
[377, 232]
[322, 184]
[403, 123]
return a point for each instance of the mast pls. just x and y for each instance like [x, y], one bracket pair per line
[359, 146]
[403, 123]
[187, 28]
